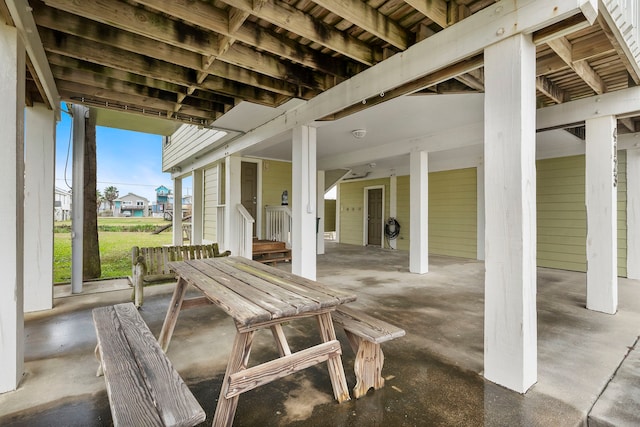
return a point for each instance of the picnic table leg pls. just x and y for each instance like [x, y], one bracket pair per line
[336, 370]
[238, 360]
[172, 314]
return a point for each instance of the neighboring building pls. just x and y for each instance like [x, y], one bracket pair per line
[62, 205]
[131, 205]
[163, 202]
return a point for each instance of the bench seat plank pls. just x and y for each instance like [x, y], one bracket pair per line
[143, 386]
[365, 326]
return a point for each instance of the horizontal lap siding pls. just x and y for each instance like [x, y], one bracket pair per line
[562, 217]
[453, 206]
[352, 208]
[276, 178]
[211, 203]
[185, 142]
[403, 210]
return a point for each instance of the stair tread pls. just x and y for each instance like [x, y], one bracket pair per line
[272, 251]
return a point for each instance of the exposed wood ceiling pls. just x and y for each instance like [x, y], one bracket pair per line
[194, 60]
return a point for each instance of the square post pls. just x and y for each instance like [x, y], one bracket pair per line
[419, 211]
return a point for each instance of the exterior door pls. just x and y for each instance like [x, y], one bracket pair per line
[374, 213]
[249, 189]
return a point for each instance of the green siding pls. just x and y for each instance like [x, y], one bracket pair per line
[329, 215]
[276, 177]
[403, 210]
[453, 206]
[352, 205]
[562, 218]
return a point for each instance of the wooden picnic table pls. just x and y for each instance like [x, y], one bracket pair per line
[258, 296]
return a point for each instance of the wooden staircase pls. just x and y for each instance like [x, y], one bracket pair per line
[270, 252]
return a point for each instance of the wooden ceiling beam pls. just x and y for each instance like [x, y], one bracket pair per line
[436, 10]
[619, 49]
[206, 15]
[551, 90]
[562, 47]
[369, 19]
[296, 21]
[628, 123]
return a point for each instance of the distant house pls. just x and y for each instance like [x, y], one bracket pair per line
[131, 205]
[163, 201]
[62, 205]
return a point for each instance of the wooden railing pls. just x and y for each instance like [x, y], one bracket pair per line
[625, 15]
[278, 224]
[245, 232]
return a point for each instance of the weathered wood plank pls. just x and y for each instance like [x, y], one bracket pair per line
[366, 326]
[253, 377]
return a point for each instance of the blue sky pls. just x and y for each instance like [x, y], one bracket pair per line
[130, 161]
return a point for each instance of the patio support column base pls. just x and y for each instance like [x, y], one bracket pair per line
[304, 199]
[602, 227]
[12, 70]
[39, 190]
[510, 330]
[419, 211]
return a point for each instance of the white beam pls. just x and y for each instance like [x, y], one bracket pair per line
[320, 213]
[510, 331]
[480, 206]
[633, 214]
[602, 227]
[12, 70]
[39, 194]
[232, 192]
[23, 20]
[197, 207]
[177, 211]
[419, 212]
[303, 203]
[467, 38]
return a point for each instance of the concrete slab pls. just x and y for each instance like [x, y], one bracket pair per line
[434, 374]
[619, 404]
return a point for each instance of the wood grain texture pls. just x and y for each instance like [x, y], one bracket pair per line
[366, 326]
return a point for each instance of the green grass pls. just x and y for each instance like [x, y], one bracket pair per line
[115, 250]
[118, 224]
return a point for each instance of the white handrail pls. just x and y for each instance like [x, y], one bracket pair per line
[245, 232]
[278, 224]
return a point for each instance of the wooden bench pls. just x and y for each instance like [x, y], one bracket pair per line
[150, 265]
[365, 334]
[143, 387]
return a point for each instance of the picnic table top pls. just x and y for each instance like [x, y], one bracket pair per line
[253, 293]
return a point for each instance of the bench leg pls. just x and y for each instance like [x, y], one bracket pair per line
[97, 353]
[172, 314]
[367, 366]
[336, 370]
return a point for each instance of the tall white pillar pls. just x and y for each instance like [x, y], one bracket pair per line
[419, 211]
[602, 227]
[80, 114]
[320, 213]
[12, 70]
[393, 205]
[177, 212]
[633, 214]
[510, 331]
[480, 224]
[197, 208]
[232, 190]
[38, 204]
[304, 201]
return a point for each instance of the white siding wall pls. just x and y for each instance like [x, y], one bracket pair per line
[186, 142]
[211, 203]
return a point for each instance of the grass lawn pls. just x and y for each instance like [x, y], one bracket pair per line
[115, 247]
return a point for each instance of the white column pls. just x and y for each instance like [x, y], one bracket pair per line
[633, 214]
[338, 212]
[232, 189]
[197, 207]
[602, 227]
[38, 204]
[320, 213]
[510, 330]
[419, 212]
[80, 114]
[177, 211]
[393, 205]
[480, 213]
[303, 208]
[12, 70]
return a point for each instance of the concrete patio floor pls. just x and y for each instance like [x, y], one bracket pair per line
[433, 374]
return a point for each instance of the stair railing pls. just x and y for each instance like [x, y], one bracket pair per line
[278, 224]
[245, 232]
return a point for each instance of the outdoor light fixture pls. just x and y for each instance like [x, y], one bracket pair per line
[359, 133]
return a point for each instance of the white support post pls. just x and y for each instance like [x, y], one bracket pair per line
[320, 213]
[338, 209]
[480, 211]
[393, 204]
[12, 70]
[633, 214]
[419, 212]
[197, 208]
[38, 203]
[177, 211]
[304, 200]
[233, 167]
[80, 114]
[510, 330]
[602, 227]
